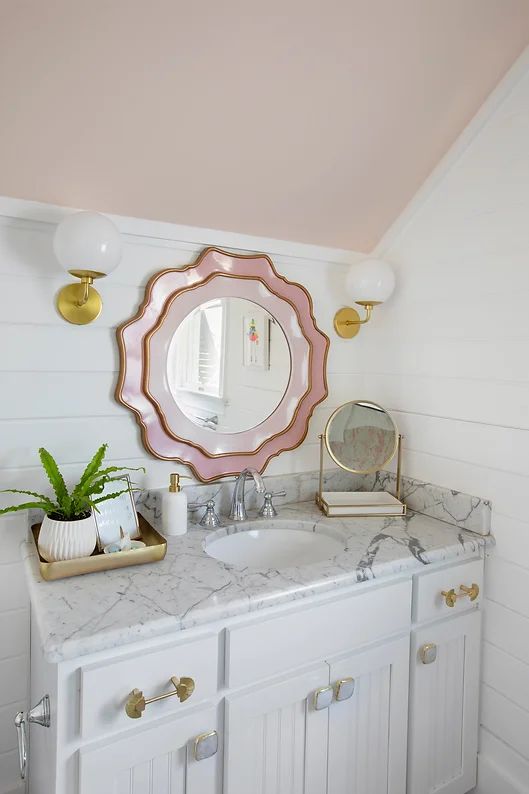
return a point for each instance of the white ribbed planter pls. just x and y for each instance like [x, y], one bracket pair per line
[67, 540]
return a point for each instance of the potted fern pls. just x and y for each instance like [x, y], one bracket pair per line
[68, 529]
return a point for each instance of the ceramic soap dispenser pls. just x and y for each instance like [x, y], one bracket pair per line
[174, 508]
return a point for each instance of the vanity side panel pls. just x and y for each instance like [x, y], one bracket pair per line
[43, 742]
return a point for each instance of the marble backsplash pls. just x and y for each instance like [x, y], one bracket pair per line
[454, 507]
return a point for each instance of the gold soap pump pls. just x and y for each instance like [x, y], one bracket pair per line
[174, 507]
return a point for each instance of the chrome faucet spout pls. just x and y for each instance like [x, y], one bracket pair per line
[238, 507]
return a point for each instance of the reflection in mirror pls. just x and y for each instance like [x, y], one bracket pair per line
[361, 436]
[228, 365]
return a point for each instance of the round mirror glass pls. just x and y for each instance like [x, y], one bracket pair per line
[361, 437]
[228, 365]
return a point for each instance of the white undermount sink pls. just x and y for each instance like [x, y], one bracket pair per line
[271, 546]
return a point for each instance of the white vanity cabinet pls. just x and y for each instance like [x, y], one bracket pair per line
[339, 727]
[369, 690]
[368, 721]
[159, 759]
[444, 685]
[275, 739]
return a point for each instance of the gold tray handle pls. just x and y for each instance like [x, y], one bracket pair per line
[136, 702]
[450, 596]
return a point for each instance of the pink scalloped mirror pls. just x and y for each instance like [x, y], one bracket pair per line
[223, 364]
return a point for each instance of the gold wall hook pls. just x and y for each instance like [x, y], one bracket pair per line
[136, 702]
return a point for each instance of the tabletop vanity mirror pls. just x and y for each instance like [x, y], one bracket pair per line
[362, 438]
[223, 364]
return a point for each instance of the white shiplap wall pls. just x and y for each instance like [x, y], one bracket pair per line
[57, 382]
[450, 355]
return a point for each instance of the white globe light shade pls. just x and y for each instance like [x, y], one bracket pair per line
[88, 241]
[370, 281]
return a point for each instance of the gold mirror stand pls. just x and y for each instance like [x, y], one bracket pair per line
[398, 474]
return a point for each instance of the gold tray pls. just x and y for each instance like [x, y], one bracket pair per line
[155, 549]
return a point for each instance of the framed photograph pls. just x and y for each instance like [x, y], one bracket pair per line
[116, 513]
[256, 341]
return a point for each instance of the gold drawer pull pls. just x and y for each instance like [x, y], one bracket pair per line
[135, 705]
[450, 596]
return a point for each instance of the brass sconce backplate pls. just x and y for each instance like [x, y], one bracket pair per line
[347, 322]
[71, 306]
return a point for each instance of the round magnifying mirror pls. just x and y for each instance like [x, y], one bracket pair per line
[228, 365]
[361, 437]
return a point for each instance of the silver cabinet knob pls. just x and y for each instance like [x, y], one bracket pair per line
[344, 688]
[428, 653]
[205, 745]
[322, 698]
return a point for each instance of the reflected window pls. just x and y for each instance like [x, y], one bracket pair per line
[200, 361]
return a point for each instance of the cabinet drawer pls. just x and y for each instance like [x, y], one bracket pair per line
[105, 687]
[428, 600]
[266, 648]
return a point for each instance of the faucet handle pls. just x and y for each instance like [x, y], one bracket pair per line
[210, 519]
[268, 510]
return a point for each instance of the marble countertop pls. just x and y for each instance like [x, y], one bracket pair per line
[188, 588]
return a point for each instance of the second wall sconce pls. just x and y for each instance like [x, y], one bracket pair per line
[369, 283]
[88, 246]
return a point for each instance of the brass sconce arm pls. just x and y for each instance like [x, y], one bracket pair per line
[347, 321]
[86, 282]
[80, 303]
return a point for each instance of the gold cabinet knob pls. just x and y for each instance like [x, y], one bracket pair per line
[136, 701]
[185, 688]
[344, 688]
[472, 592]
[450, 596]
[322, 698]
[205, 745]
[135, 705]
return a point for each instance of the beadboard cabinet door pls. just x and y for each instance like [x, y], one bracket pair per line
[276, 741]
[156, 760]
[368, 727]
[444, 703]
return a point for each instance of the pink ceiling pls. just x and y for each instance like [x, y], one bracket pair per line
[298, 119]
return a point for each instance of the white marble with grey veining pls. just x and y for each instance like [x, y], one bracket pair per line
[455, 507]
[188, 588]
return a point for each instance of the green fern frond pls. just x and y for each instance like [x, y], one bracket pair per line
[43, 499]
[97, 475]
[109, 496]
[91, 470]
[54, 476]
[25, 506]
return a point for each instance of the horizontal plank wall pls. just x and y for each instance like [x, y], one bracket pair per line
[450, 355]
[57, 382]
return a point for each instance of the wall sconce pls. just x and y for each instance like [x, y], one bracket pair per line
[368, 283]
[88, 246]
